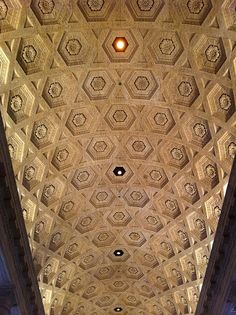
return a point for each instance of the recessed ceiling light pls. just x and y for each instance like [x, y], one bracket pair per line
[120, 44]
[117, 309]
[118, 252]
[119, 171]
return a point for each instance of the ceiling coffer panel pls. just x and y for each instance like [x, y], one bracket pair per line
[121, 156]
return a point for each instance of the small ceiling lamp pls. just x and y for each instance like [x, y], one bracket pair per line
[117, 309]
[119, 171]
[120, 44]
[118, 252]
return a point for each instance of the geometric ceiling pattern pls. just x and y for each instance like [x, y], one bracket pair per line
[75, 109]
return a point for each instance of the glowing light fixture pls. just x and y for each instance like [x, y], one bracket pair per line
[120, 44]
[118, 309]
[118, 252]
[119, 171]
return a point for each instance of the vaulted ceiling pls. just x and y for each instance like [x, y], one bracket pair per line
[163, 110]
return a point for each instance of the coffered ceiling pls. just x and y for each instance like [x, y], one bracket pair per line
[163, 110]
